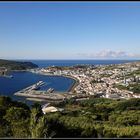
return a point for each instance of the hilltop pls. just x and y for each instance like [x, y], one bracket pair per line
[16, 65]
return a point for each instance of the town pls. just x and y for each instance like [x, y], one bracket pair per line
[107, 81]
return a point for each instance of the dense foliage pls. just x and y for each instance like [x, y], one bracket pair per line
[15, 65]
[93, 118]
[135, 88]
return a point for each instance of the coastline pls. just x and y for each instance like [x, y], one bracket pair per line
[70, 91]
[75, 83]
[41, 96]
[72, 87]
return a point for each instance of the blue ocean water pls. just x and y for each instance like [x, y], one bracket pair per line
[21, 80]
[47, 63]
[24, 79]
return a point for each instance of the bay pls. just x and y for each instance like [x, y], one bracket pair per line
[20, 80]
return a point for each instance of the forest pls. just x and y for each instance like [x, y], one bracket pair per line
[93, 118]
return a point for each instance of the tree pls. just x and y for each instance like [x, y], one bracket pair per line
[89, 132]
[15, 114]
[38, 124]
[18, 120]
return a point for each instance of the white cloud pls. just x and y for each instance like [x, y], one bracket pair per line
[110, 54]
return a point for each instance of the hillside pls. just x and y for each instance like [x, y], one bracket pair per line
[15, 65]
[93, 118]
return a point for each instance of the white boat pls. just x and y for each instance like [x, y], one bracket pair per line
[50, 90]
[37, 85]
[8, 76]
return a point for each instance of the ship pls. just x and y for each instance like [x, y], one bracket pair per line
[37, 85]
[50, 90]
[7, 76]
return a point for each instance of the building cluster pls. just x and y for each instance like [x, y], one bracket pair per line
[101, 80]
[3, 71]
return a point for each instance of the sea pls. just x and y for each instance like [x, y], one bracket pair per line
[47, 63]
[21, 80]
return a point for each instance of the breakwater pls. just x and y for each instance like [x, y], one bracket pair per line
[44, 96]
[23, 79]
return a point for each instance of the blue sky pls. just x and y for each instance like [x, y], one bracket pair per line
[70, 30]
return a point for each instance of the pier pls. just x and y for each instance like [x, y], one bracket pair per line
[33, 94]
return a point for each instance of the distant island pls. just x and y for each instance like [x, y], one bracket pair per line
[15, 65]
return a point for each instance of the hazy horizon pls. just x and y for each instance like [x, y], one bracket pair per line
[73, 59]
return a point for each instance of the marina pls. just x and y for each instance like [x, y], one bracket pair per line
[24, 79]
[61, 84]
[33, 94]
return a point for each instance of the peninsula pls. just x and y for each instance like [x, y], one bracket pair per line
[16, 65]
[7, 65]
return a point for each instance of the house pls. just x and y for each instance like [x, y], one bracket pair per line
[3, 70]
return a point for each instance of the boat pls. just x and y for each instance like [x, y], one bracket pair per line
[35, 87]
[8, 76]
[41, 83]
[50, 90]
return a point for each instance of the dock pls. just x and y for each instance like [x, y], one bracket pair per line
[32, 92]
[40, 95]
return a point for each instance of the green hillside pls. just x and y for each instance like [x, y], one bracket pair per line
[16, 65]
[93, 118]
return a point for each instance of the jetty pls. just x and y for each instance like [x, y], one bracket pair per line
[32, 93]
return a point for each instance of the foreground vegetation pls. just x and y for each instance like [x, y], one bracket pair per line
[93, 118]
[15, 65]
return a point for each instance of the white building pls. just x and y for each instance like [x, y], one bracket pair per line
[51, 109]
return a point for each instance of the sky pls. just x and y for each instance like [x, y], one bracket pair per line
[70, 30]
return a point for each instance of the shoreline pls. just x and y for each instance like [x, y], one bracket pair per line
[75, 83]
[71, 88]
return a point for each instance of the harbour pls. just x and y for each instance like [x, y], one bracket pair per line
[33, 94]
[60, 84]
[24, 79]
